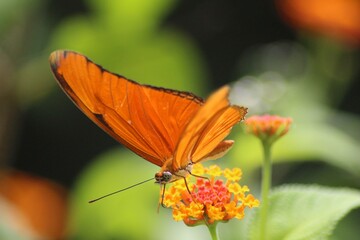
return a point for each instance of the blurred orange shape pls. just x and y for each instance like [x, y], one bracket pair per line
[42, 203]
[339, 19]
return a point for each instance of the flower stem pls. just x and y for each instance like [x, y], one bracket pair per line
[213, 231]
[265, 188]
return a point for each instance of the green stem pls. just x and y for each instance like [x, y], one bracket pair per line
[213, 231]
[265, 188]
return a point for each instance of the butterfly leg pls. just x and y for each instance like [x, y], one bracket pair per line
[186, 185]
[198, 176]
[188, 189]
[162, 195]
[162, 190]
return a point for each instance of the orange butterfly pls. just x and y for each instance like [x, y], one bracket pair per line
[169, 128]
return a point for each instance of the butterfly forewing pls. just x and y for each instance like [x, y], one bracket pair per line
[147, 120]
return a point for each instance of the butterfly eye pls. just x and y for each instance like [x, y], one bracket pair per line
[163, 177]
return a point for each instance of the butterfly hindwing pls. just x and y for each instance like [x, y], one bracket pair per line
[204, 136]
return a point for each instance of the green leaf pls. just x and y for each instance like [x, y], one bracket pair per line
[121, 215]
[305, 212]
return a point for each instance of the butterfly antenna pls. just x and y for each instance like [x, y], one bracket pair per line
[107, 195]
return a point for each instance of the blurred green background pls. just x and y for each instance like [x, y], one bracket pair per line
[274, 66]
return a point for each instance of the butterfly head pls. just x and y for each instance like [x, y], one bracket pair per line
[163, 177]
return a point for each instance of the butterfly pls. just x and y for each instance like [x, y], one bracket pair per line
[169, 128]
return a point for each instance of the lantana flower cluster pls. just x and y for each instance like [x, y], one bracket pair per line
[268, 127]
[215, 197]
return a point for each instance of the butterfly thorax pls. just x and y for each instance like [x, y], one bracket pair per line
[168, 174]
